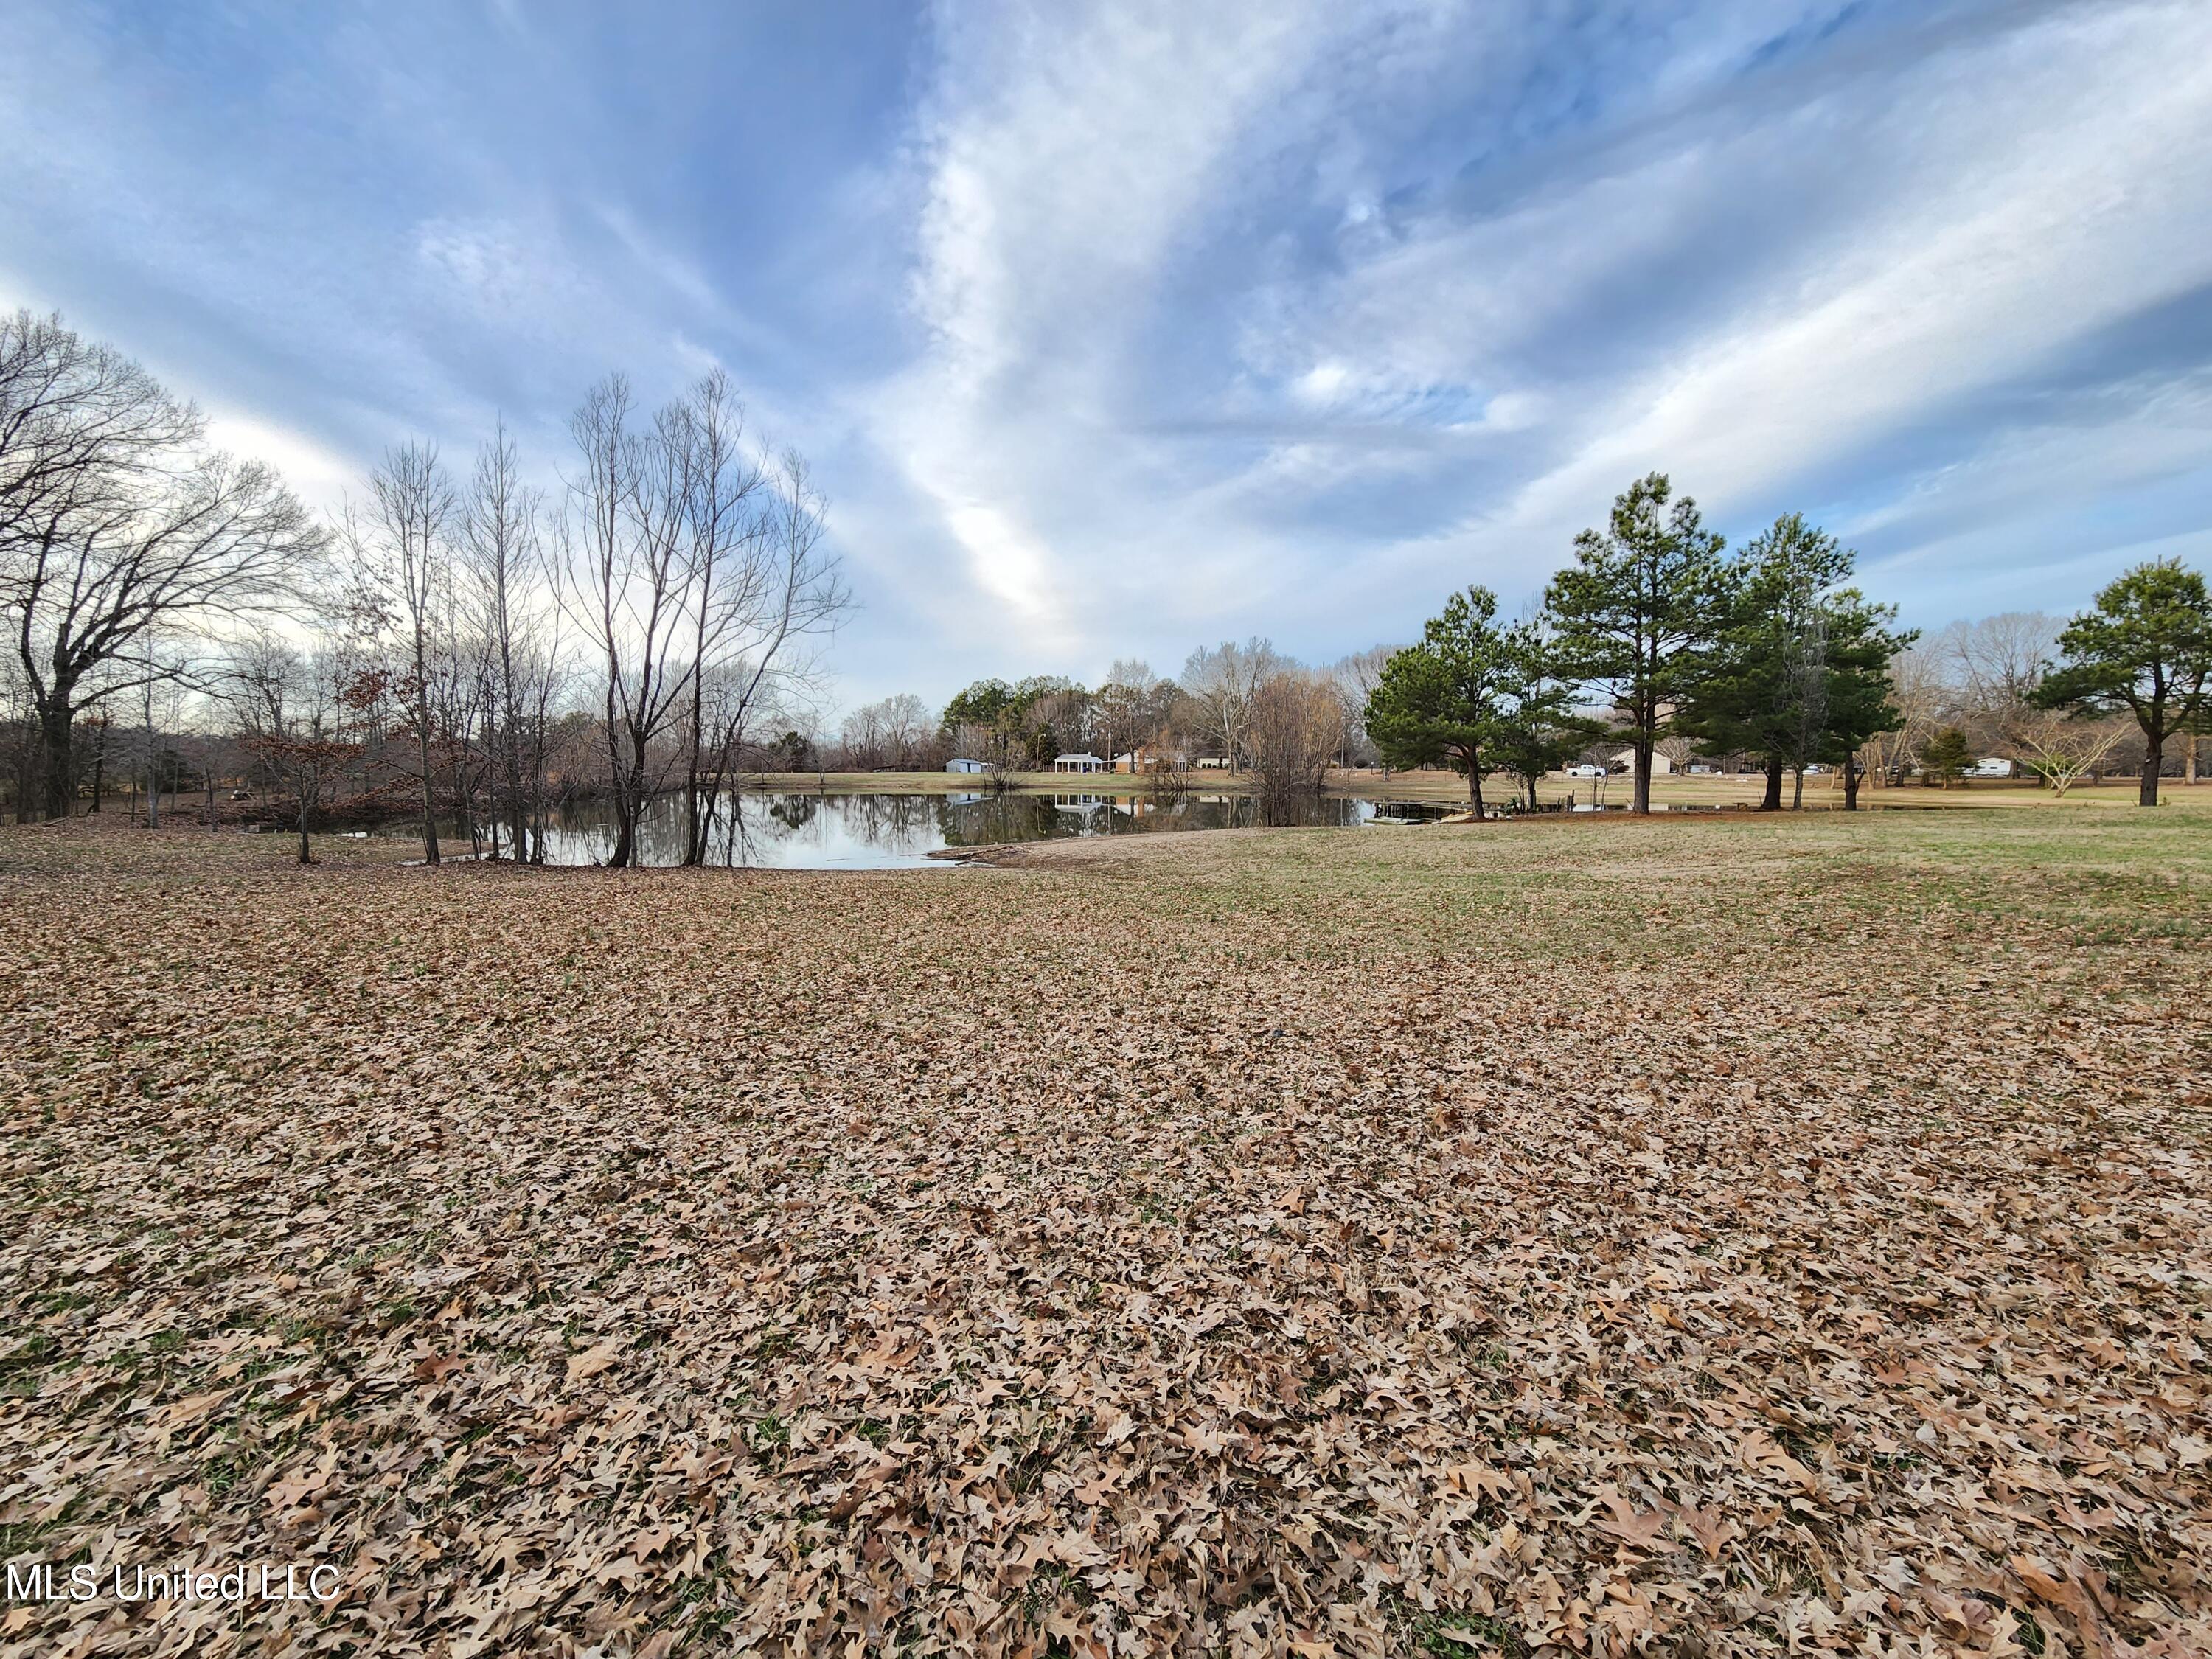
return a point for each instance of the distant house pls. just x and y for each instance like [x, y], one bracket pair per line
[1212, 763]
[1145, 757]
[1077, 763]
[1625, 762]
[965, 766]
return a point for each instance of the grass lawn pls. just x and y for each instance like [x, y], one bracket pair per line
[1717, 1236]
[1822, 791]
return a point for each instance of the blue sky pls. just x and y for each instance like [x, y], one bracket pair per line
[1115, 328]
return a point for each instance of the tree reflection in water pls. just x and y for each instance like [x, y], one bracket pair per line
[879, 831]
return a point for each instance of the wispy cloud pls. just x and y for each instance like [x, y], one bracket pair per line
[1117, 326]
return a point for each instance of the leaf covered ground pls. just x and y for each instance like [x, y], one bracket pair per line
[1721, 1238]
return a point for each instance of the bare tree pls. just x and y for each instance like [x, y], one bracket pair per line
[166, 672]
[503, 554]
[1997, 662]
[1124, 705]
[1994, 666]
[720, 482]
[906, 723]
[1359, 675]
[289, 705]
[464, 693]
[1919, 688]
[117, 520]
[626, 573]
[860, 734]
[780, 595]
[413, 508]
[1294, 720]
[2065, 747]
[1223, 683]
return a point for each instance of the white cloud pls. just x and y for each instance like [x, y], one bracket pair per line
[317, 474]
[1066, 152]
[1742, 278]
[1160, 321]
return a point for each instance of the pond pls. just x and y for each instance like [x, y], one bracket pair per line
[807, 831]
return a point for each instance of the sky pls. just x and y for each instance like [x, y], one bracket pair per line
[1112, 327]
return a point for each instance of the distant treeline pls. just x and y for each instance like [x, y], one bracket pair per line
[477, 649]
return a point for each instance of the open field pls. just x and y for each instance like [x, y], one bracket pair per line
[1822, 793]
[1447, 788]
[1718, 1235]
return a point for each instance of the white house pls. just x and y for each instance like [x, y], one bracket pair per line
[1625, 762]
[1078, 764]
[965, 766]
[1213, 762]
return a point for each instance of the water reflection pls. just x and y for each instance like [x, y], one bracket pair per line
[880, 832]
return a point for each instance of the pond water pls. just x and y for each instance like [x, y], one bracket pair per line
[772, 830]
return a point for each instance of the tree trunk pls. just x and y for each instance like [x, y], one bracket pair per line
[100, 766]
[1642, 798]
[1772, 800]
[429, 824]
[153, 766]
[625, 832]
[306, 795]
[619, 857]
[59, 764]
[518, 808]
[465, 792]
[629, 805]
[1850, 783]
[1797, 788]
[2154, 763]
[540, 814]
[695, 822]
[1474, 784]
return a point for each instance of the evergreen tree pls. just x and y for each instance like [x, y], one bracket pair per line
[2147, 648]
[1861, 644]
[1800, 669]
[1639, 610]
[1444, 701]
[1945, 755]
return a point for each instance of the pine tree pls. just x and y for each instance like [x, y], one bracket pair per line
[1637, 612]
[2147, 648]
[1799, 671]
[1444, 701]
